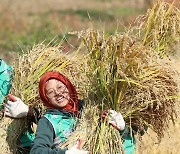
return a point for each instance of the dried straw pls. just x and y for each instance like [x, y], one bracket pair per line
[130, 78]
[160, 28]
[127, 73]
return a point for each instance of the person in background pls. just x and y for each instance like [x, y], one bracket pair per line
[6, 76]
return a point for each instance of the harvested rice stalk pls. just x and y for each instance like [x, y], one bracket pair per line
[130, 78]
[97, 135]
[160, 28]
[126, 76]
[28, 68]
[86, 126]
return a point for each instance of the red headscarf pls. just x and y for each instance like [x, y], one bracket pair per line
[72, 105]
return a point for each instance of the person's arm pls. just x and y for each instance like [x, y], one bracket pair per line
[125, 132]
[43, 141]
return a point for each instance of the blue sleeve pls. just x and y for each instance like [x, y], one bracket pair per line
[43, 142]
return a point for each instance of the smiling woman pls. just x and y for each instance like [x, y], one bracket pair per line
[60, 97]
[42, 60]
[56, 91]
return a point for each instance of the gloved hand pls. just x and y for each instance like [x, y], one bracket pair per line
[15, 107]
[75, 150]
[115, 119]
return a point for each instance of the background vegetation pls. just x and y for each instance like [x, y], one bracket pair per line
[25, 23]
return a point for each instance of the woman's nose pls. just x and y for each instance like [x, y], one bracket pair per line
[56, 91]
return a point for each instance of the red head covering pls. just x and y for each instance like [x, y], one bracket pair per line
[72, 105]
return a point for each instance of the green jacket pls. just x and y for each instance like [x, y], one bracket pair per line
[45, 135]
[63, 123]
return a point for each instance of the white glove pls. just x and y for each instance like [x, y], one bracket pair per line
[75, 150]
[16, 108]
[116, 120]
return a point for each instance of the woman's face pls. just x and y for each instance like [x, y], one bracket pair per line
[57, 93]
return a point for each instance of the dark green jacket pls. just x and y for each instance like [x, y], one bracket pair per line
[43, 142]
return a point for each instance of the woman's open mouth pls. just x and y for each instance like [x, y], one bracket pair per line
[60, 99]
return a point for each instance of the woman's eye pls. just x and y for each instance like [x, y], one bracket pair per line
[59, 87]
[50, 92]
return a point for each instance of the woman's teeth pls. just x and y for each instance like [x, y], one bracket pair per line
[59, 99]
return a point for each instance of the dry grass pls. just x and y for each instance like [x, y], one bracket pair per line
[160, 28]
[130, 78]
[170, 143]
[129, 75]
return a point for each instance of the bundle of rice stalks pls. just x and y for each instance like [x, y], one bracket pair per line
[126, 73]
[28, 68]
[126, 76]
[96, 135]
[160, 28]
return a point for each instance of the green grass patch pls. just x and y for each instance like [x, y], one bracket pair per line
[124, 12]
[45, 26]
[36, 33]
[94, 14]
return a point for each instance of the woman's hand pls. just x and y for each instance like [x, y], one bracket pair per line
[114, 118]
[15, 107]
